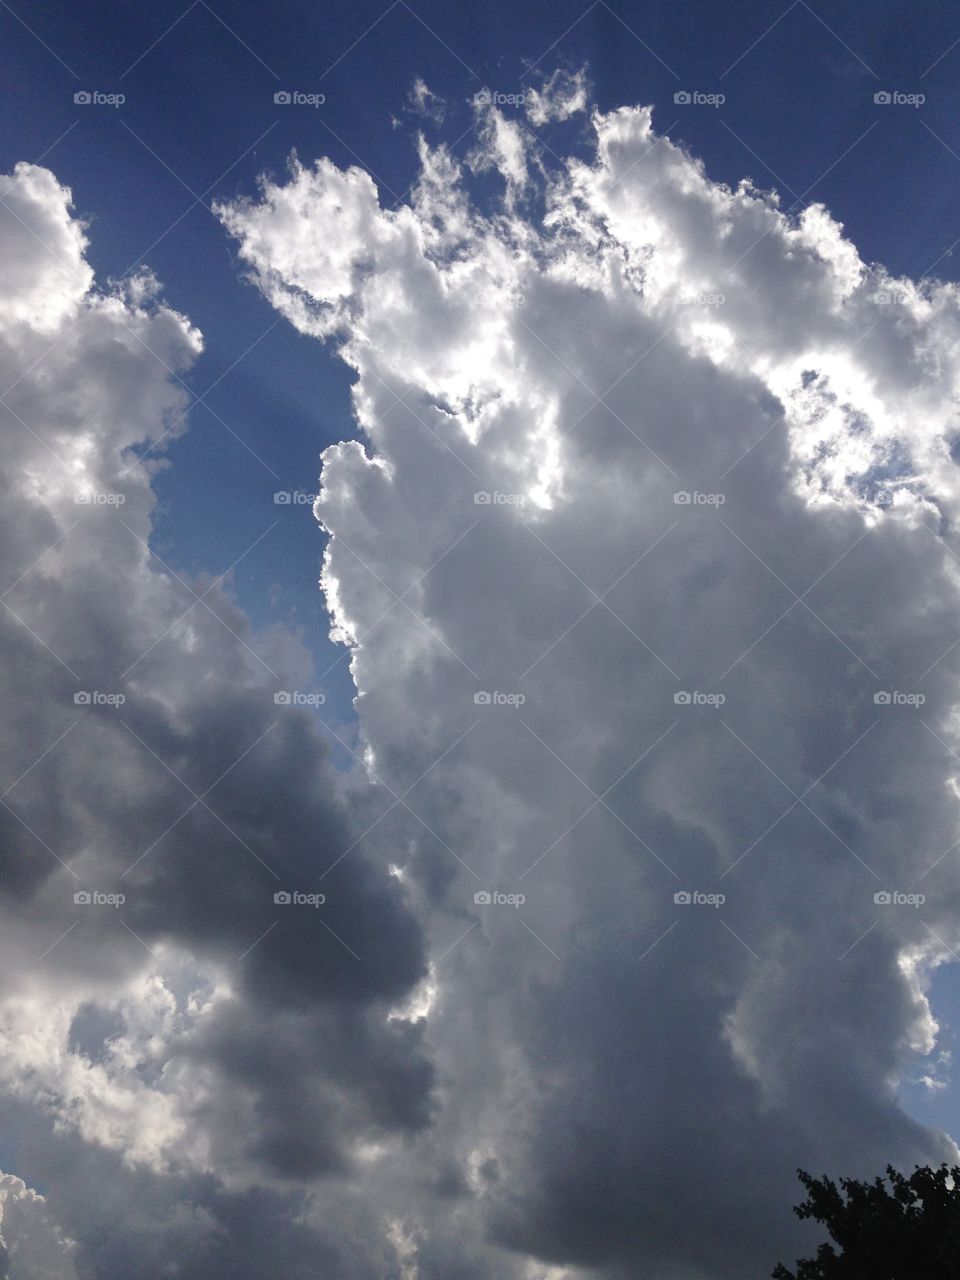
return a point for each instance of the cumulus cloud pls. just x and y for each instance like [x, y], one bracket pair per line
[172, 1034]
[31, 1246]
[647, 563]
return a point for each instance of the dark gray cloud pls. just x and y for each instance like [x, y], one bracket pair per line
[181, 1037]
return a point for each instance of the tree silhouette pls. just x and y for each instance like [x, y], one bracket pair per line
[910, 1231]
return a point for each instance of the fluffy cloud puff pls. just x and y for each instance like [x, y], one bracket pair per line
[184, 1062]
[666, 475]
[31, 1246]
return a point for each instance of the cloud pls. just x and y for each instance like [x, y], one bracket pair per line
[40, 289]
[170, 1029]
[33, 1247]
[500, 145]
[422, 101]
[674, 467]
[559, 97]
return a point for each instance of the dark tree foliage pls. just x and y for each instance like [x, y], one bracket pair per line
[910, 1231]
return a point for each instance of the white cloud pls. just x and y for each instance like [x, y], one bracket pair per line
[558, 98]
[500, 146]
[424, 102]
[34, 1246]
[659, 335]
[277, 232]
[44, 276]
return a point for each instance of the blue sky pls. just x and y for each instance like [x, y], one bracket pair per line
[785, 94]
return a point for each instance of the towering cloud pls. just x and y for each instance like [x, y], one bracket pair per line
[647, 560]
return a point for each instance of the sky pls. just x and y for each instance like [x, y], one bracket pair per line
[480, 632]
